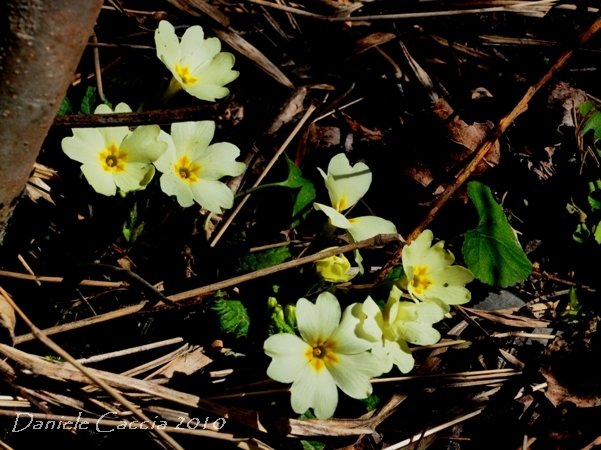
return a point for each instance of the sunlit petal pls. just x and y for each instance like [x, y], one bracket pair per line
[212, 195]
[167, 45]
[367, 227]
[219, 160]
[288, 353]
[352, 372]
[173, 185]
[336, 219]
[101, 181]
[192, 138]
[142, 146]
[315, 390]
[316, 322]
[415, 251]
[346, 185]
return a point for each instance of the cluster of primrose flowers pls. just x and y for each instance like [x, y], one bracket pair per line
[191, 166]
[368, 341]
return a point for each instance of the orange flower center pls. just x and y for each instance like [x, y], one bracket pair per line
[420, 282]
[320, 354]
[186, 170]
[187, 78]
[112, 159]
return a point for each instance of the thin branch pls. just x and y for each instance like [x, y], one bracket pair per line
[420, 436]
[517, 8]
[97, 283]
[28, 269]
[130, 351]
[163, 116]
[98, 69]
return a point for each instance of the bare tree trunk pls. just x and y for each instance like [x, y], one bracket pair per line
[41, 43]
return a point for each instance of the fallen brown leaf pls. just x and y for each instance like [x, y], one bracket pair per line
[570, 368]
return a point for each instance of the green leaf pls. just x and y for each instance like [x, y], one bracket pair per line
[371, 402]
[492, 251]
[305, 191]
[308, 414]
[594, 196]
[89, 99]
[573, 306]
[261, 260]
[585, 107]
[598, 233]
[582, 233]
[65, 107]
[313, 445]
[593, 123]
[233, 317]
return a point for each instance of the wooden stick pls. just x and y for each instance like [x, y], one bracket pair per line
[24, 276]
[430, 431]
[163, 116]
[376, 241]
[130, 351]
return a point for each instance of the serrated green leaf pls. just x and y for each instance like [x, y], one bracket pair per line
[491, 250]
[261, 260]
[89, 99]
[65, 107]
[313, 445]
[233, 317]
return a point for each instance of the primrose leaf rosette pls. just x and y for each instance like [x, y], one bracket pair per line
[399, 323]
[346, 185]
[197, 64]
[429, 274]
[115, 157]
[192, 168]
[328, 354]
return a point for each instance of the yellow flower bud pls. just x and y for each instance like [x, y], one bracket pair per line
[334, 268]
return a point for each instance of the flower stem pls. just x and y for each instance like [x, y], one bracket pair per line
[173, 88]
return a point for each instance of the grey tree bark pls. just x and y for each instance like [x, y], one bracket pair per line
[41, 43]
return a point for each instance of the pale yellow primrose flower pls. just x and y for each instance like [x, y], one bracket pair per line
[334, 268]
[346, 186]
[399, 323]
[197, 64]
[192, 168]
[115, 157]
[328, 354]
[429, 274]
